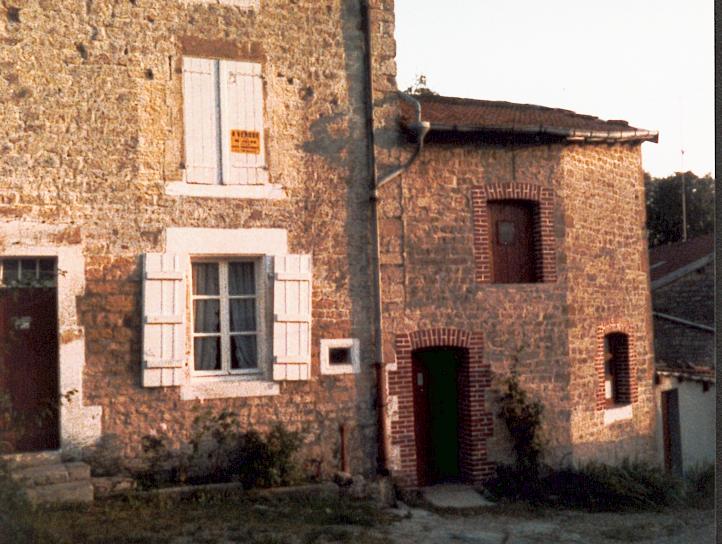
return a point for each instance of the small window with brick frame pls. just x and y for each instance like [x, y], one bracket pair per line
[515, 241]
[616, 369]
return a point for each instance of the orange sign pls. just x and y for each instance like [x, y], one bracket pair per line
[246, 141]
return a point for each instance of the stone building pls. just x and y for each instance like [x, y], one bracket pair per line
[227, 204]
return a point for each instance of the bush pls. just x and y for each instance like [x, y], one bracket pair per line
[218, 452]
[16, 519]
[522, 418]
[633, 485]
[699, 486]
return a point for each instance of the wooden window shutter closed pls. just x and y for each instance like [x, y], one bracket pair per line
[200, 107]
[292, 317]
[163, 319]
[241, 89]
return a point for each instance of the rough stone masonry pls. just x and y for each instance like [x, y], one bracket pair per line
[92, 140]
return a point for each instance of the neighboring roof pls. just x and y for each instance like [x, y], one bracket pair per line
[672, 261]
[694, 373]
[448, 114]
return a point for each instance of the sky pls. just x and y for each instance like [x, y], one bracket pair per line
[649, 62]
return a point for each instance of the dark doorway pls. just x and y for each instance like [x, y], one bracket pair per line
[28, 355]
[436, 413]
[512, 241]
[671, 432]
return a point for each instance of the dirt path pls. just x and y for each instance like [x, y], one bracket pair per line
[491, 527]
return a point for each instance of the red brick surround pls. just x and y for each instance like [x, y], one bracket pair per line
[543, 225]
[475, 423]
[627, 375]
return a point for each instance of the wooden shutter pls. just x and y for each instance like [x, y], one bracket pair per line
[292, 317]
[512, 241]
[200, 108]
[241, 95]
[163, 319]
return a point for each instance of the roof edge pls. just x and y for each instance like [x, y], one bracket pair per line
[571, 135]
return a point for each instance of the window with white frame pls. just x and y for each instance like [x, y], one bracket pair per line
[340, 356]
[223, 120]
[227, 323]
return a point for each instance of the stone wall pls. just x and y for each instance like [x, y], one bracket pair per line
[546, 331]
[92, 133]
[607, 274]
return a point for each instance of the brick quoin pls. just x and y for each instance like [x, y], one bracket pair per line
[543, 225]
[475, 423]
[627, 375]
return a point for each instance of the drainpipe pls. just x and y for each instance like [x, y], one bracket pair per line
[420, 129]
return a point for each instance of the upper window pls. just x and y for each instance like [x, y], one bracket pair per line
[616, 369]
[27, 272]
[225, 317]
[223, 117]
[514, 248]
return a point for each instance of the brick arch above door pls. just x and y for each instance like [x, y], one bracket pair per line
[475, 421]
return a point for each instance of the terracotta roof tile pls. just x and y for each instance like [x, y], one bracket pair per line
[463, 114]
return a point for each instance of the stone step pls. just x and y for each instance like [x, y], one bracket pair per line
[58, 473]
[24, 460]
[68, 492]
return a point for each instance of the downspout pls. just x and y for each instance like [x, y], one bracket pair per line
[421, 129]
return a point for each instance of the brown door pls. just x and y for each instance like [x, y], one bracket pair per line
[28, 369]
[671, 431]
[512, 241]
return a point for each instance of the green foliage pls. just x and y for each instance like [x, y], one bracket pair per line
[664, 207]
[522, 418]
[16, 517]
[219, 451]
[632, 485]
[699, 486]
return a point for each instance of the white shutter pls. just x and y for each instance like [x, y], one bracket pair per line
[163, 319]
[200, 109]
[292, 317]
[241, 89]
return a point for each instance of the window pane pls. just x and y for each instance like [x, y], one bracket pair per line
[243, 315]
[241, 279]
[207, 353]
[10, 271]
[206, 316]
[205, 279]
[243, 352]
[47, 270]
[28, 272]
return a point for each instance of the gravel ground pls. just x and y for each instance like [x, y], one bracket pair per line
[495, 526]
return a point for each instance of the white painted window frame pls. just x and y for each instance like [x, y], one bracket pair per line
[224, 298]
[254, 243]
[260, 189]
[352, 344]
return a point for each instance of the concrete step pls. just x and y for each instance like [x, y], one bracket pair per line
[24, 460]
[57, 473]
[68, 492]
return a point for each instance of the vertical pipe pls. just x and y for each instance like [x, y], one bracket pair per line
[374, 233]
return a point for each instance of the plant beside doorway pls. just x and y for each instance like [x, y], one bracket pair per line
[522, 418]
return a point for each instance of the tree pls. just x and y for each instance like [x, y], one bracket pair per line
[420, 88]
[664, 207]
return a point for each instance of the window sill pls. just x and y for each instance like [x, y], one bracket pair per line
[210, 388]
[255, 192]
[617, 413]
